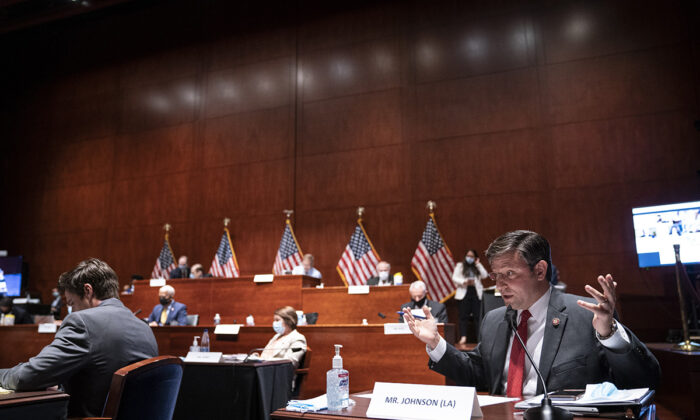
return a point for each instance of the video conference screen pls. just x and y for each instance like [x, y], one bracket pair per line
[12, 272]
[658, 228]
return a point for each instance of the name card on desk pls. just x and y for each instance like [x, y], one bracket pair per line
[358, 290]
[263, 278]
[397, 328]
[48, 328]
[204, 357]
[227, 329]
[412, 401]
[157, 282]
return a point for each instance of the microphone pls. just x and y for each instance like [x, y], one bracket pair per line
[138, 311]
[546, 411]
[293, 349]
[381, 315]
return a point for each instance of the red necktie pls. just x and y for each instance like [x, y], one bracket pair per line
[516, 367]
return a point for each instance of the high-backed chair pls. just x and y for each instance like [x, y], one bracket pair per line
[302, 372]
[145, 390]
[192, 320]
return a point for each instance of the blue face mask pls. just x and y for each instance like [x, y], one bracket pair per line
[278, 327]
[469, 260]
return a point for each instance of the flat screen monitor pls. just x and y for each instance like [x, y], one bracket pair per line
[12, 276]
[658, 228]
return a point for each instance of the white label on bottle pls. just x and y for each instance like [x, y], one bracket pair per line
[411, 401]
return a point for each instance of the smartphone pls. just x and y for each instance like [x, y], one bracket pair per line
[566, 395]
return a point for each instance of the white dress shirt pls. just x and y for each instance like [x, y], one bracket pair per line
[535, 336]
[299, 269]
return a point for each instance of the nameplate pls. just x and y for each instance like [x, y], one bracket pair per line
[157, 282]
[204, 357]
[263, 278]
[227, 329]
[397, 328]
[358, 290]
[429, 402]
[48, 328]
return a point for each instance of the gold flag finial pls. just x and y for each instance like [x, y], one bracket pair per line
[167, 227]
[431, 206]
[360, 212]
[288, 213]
[226, 221]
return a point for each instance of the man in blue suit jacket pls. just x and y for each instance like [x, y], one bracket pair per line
[168, 312]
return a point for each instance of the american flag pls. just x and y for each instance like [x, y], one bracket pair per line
[164, 263]
[289, 254]
[359, 260]
[433, 263]
[224, 263]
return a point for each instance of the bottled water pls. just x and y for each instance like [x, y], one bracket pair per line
[204, 343]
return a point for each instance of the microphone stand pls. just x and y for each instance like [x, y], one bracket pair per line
[546, 411]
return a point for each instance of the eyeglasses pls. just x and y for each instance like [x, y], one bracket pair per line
[509, 275]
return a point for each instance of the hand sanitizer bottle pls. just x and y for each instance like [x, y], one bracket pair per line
[337, 383]
[195, 346]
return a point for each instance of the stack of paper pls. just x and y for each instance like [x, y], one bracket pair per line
[5, 391]
[314, 404]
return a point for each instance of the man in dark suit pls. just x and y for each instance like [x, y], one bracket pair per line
[168, 312]
[420, 300]
[8, 308]
[99, 337]
[383, 277]
[182, 271]
[574, 341]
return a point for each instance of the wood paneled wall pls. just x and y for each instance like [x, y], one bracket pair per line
[553, 116]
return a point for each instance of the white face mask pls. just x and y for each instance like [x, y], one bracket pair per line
[383, 275]
[278, 327]
[469, 260]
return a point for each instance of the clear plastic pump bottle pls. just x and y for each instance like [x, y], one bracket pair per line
[337, 383]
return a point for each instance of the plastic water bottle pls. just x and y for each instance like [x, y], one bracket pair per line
[204, 343]
[337, 383]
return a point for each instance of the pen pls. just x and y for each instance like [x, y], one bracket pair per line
[414, 315]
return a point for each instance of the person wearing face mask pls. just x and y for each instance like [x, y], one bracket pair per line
[182, 271]
[21, 316]
[168, 312]
[419, 298]
[56, 304]
[467, 278]
[383, 277]
[286, 338]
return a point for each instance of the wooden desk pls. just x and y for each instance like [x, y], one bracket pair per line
[47, 405]
[505, 411]
[233, 299]
[367, 353]
[679, 389]
[335, 306]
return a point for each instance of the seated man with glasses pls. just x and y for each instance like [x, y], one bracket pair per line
[573, 340]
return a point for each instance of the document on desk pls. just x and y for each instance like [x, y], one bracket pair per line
[5, 391]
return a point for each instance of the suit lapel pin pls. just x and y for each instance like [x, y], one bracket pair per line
[555, 322]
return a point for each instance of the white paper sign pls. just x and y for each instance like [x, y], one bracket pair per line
[204, 357]
[48, 328]
[227, 329]
[423, 402]
[397, 328]
[358, 290]
[263, 278]
[157, 282]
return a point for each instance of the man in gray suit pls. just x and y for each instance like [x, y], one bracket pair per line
[99, 337]
[574, 341]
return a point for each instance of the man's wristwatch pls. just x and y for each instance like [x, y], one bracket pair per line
[613, 329]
